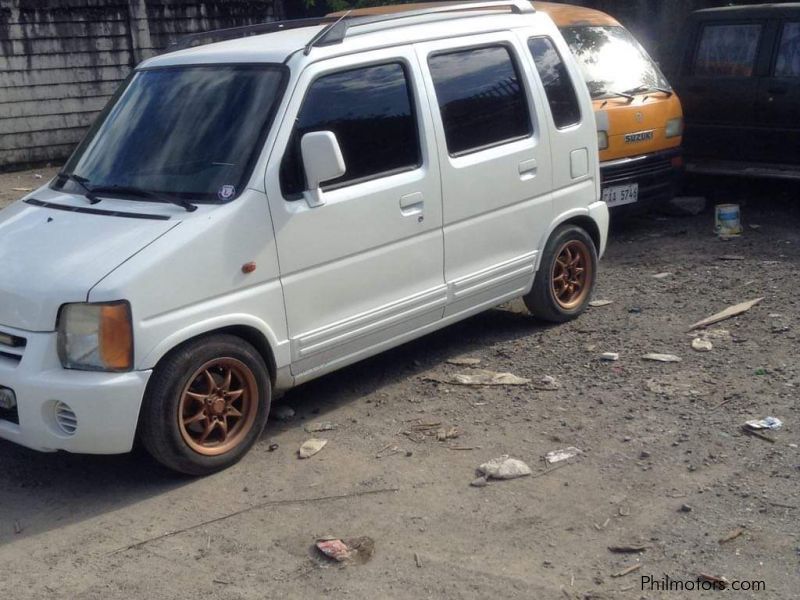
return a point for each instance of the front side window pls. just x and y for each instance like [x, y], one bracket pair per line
[557, 83]
[612, 61]
[727, 50]
[788, 64]
[371, 111]
[193, 132]
[480, 97]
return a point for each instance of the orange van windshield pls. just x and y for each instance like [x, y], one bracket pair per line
[613, 62]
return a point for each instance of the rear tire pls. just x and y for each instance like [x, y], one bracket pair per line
[206, 405]
[564, 282]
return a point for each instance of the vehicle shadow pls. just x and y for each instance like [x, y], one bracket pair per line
[475, 336]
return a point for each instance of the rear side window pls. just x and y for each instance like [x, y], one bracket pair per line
[370, 110]
[727, 50]
[788, 63]
[557, 83]
[480, 97]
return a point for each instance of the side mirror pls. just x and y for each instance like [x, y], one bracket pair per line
[323, 161]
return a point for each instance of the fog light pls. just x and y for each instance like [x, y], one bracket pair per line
[8, 399]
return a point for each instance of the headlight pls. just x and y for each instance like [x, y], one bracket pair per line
[96, 337]
[675, 127]
[602, 139]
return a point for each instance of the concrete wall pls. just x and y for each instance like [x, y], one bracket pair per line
[61, 60]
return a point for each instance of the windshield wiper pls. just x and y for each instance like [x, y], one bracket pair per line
[82, 182]
[625, 95]
[649, 88]
[134, 191]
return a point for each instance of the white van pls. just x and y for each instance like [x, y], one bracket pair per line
[249, 214]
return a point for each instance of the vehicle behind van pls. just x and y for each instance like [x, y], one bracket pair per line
[639, 115]
[739, 77]
[264, 205]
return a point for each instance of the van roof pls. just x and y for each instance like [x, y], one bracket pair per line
[278, 46]
[750, 10]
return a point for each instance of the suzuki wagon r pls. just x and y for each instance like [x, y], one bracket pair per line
[263, 205]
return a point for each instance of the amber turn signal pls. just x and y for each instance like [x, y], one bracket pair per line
[116, 336]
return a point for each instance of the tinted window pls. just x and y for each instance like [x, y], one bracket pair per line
[370, 111]
[788, 64]
[557, 83]
[187, 131]
[727, 50]
[480, 97]
[611, 60]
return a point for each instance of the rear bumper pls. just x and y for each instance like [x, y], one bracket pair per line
[105, 405]
[658, 175]
[598, 212]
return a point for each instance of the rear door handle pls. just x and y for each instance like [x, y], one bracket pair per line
[528, 168]
[412, 204]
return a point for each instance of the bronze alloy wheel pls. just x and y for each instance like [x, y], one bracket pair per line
[218, 406]
[572, 274]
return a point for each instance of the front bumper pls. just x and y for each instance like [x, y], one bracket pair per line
[658, 175]
[105, 405]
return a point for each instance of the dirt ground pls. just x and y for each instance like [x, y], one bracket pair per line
[664, 462]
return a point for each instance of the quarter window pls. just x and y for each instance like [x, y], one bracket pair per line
[727, 50]
[557, 83]
[370, 109]
[788, 64]
[481, 98]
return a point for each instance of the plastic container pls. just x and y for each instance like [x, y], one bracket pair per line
[727, 220]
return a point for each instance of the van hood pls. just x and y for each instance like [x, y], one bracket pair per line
[50, 256]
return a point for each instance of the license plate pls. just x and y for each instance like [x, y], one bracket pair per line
[621, 194]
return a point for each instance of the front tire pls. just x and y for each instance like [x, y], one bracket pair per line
[564, 282]
[206, 405]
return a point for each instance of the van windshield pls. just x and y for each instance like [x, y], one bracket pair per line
[612, 61]
[190, 132]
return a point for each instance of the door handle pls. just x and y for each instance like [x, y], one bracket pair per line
[412, 204]
[777, 91]
[528, 169]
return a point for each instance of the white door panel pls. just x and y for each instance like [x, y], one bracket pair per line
[367, 265]
[497, 201]
[574, 145]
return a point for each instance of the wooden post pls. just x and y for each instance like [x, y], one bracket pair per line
[139, 28]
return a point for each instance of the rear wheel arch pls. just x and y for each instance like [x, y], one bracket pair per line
[587, 224]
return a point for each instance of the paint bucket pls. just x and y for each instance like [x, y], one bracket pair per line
[727, 220]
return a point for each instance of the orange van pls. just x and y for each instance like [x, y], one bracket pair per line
[639, 116]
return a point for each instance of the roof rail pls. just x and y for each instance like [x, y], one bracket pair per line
[337, 25]
[220, 35]
[336, 32]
